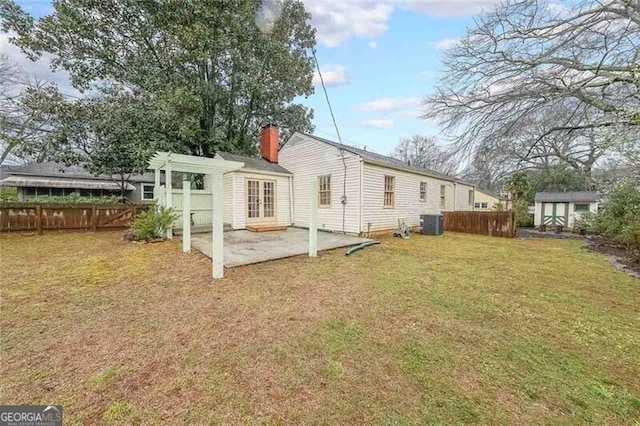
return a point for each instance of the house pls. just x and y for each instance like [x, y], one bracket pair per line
[54, 179]
[358, 190]
[562, 208]
[487, 201]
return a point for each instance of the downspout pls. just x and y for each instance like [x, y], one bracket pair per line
[291, 210]
[455, 196]
[360, 188]
[343, 200]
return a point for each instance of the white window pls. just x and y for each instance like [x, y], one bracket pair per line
[389, 195]
[147, 192]
[324, 190]
[423, 191]
[443, 200]
[481, 205]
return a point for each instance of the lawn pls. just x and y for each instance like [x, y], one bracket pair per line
[432, 330]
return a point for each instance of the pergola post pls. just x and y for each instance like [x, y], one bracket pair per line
[313, 219]
[216, 168]
[217, 252]
[168, 199]
[186, 216]
[156, 184]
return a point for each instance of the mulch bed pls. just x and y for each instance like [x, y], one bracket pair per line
[618, 255]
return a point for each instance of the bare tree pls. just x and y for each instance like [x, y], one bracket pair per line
[424, 151]
[20, 131]
[544, 81]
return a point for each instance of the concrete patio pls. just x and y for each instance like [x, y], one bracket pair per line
[245, 248]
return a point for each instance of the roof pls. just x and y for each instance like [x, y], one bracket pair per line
[52, 182]
[564, 197]
[53, 169]
[491, 194]
[384, 160]
[254, 163]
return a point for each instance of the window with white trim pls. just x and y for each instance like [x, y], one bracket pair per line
[471, 197]
[443, 193]
[324, 191]
[389, 191]
[423, 191]
[147, 192]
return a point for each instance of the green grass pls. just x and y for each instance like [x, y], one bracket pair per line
[458, 329]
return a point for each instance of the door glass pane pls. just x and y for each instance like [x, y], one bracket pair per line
[268, 198]
[253, 198]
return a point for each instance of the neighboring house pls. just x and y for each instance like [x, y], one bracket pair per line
[486, 200]
[54, 179]
[562, 208]
[359, 191]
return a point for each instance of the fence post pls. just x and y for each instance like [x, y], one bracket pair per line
[94, 218]
[39, 219]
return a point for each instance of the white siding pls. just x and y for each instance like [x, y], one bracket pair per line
[307, 159]
[239, 186]
[407, 197]
[235, 197]
[462, 199]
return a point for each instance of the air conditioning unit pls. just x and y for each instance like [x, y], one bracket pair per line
[431, 224]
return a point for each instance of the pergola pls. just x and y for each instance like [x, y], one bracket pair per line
[171, 162]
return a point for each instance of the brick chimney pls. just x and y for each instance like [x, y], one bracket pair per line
[269, 142]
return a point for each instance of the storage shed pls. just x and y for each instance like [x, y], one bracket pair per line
[562, 208]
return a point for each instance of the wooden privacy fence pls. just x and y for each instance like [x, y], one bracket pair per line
[39, 217]
[495, 224]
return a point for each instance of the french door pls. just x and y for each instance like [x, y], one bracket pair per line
[261, 201]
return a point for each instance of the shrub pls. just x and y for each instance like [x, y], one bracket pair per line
[620, 219]
[630, 237]
[521, 210]
[152, 223]
[8, 194]
[621, 210]
[585, 221]
[74, 199]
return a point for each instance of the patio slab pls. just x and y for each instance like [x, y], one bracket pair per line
[244, 247]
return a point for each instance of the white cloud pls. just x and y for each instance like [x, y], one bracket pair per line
[379, 123]
[337, 21]
[444, 43]
[448, 8]
[389, 104]
[333, 75]
[373, 44]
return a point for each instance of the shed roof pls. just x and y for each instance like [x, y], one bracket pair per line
[566, 197]
[254, 163]
[386, 161]
[53, 169]
[52, 182]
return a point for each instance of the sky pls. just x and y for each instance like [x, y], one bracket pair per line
[379, 59]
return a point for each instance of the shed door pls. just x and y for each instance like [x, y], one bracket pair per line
[555, 214]
[261, 201]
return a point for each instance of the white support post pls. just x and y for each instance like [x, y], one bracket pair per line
[313, 219]
[156, 185]
[217, 252]
[186, 216]
[168, 199]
